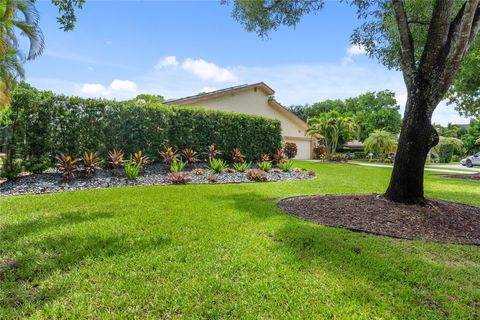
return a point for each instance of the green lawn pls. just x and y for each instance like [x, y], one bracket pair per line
[227, 251]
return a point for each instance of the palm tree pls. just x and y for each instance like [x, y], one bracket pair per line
[380, 142]
[329, 127]
[17, 16]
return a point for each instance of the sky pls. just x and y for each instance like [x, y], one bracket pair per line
[119, 49]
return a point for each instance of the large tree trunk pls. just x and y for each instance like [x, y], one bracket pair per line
[416, 139]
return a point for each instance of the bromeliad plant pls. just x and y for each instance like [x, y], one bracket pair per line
[279, 156]
[66, 165]
[257, 175]
[265, 157]
[218, 166]
[177, 165]
[132, 168]
[189, 155]
[168, 155]
[237, 156]
[115, 160]
[242, 167]
[285, 165]
[213, 153]
[265, 166]
[178, 178]
[90, 162]
[139, 158]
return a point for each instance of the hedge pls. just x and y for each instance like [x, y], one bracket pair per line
[45, 124]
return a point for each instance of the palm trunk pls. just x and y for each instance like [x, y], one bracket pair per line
[416, 139]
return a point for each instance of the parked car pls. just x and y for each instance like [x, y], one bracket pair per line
[471, 161]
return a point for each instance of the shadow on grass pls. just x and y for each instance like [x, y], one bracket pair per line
[48, 253]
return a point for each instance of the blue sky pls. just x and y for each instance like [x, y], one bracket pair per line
[121, 48]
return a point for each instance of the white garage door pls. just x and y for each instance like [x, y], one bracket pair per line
[303, 149]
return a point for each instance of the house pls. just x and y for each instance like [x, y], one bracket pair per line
[255, 99]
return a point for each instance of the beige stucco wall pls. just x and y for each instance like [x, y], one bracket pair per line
[251, 102]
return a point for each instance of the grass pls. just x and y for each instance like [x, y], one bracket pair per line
[227, 251]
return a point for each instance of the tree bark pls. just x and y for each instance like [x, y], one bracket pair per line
[416, 139]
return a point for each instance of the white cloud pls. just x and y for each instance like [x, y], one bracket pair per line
[208, 89]
[353, 50]
[165, 62]
[208, 71]
[118, 89]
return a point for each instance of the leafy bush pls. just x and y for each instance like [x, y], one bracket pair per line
[242, 167]
[115, 160]
[169, 155]
[339, 157]
[445, 152]
[212, 179]
[290, 149]
[324, 157]
[198, 171]
[189, 155]
[67, 166]
[265, 166]
[177, 166]
[279, 156]
[387, 160]
[455, 158]
[90, 163]
[178, 178]
[359, 155]
[285, 165]
[218, 166]
[11, 168]
[44, 124]
[131, 168]
[237, 156]
[257, 175]
[319, 150]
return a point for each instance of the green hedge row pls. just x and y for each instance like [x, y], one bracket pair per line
[45, 124]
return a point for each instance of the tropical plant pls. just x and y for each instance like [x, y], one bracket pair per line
[177, 165]
[265, 166]
[257, 175]
[237, 156]
[189, 155]
[290, 149]
[115, 160]
[380, 142]
[139, 158]
[169, 155]
[265, 157]
[242, 167]
[279, 156]
[90, 163]
[218, 166]
[212, 179]
[179, 178]
[213, 153]
[132, 168]
[198, 171]
[285, 165]
[329, 127]
[66, 165]
[276, 170]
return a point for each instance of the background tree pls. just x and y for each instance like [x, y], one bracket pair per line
[381, 143]
[471, 139]
[427, 40]
[149, 98]
[330, 127]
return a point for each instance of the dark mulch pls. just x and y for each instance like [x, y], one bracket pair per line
[441, 221]
[475, 176]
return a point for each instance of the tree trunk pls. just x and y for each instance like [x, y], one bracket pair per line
[416, 139]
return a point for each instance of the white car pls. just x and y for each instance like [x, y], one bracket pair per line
[471, 161]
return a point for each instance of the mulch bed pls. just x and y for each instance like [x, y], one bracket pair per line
[440, 221]
[475, 176]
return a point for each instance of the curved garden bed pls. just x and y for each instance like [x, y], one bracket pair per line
[154, 174]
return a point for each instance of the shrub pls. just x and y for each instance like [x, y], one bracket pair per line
[387, 160]
[10, 168]
[257, 175]
[90, 162]
[218, 166]
[312, 173]
[169, 155]
[324, 157]
[279, 156]
[339, 157]
[212, 179]
[131, 168]
[297, 170]
[290, 149]
[115, 160]
[67, 166]
[189, 155]
[178, 178]
[44, 125]
[177, 166]
[455, 158]
[237, 156]
[445, 152]
[319, 150]
[265, 166]
[242, 167]
[285, 165]
[212, 152]
[359, 155]
[198, 171]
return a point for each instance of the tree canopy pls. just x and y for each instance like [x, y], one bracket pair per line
[380, 142]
